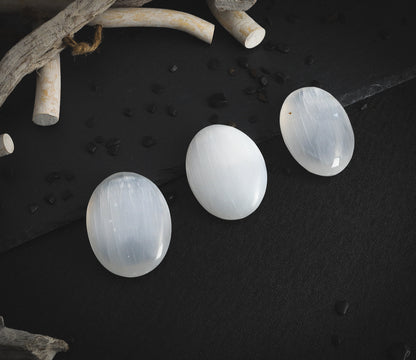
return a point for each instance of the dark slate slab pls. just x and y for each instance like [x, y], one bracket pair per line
[127, 94]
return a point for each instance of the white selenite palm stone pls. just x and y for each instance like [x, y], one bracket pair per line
[317, 131]
[128, 224]
[226, 172]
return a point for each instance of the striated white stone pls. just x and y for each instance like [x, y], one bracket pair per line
[128, 224]
[226, 172]
[317, 131]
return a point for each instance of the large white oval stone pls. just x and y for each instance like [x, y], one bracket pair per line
[317, 131]
[226, 172]
[128, 224]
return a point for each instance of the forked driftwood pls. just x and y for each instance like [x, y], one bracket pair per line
[22, 345]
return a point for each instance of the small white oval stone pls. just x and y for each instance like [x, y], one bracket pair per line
[128, 224]
[317, 131]
[226, 172]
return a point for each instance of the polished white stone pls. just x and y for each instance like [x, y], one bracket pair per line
[128, 224]
[226, 172]
[317, 131]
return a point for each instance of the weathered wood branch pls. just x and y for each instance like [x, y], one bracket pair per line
[6, 146]
[43, 44]
[147, 17]
[234, 5]
[22, 345]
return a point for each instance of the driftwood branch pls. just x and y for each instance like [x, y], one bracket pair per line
[43, 44]
[234, 5]
[21, 345]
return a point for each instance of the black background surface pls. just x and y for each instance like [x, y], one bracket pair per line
[260, 288]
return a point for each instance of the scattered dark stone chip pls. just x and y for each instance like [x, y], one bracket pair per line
[214, 119]
[91, 147]
[253, 119]
[90, 122]
[158, 89]
[269, 46]
[364, 106]
[265, 70]
[243, 62]
[173, 68]
[214, 64]
[218, 100]
[253, 73]
[172, 111]
[341, 307]
[171, 197]
[99, 139]
[309, 60]
[399, 351]
[113, 146]
[152, 108]
[50, 199]
[292, 18]
[280, 77]
[232, 71]
[33, 208]
[250, 90]
[315, 83]
[128, 112]
[66, 195]
[262, 96]
[69, 176]
[53, 177]
[384, 35]
[148, 141]
[283, 48]
[336, 340]
[263, 81]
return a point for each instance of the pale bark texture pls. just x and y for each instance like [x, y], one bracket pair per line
[234, 5]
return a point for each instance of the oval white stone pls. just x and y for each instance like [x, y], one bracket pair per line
[226, 172]
[317, 131]
[128, 224]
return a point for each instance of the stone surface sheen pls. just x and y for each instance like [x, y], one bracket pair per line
[317, 131]
[128, 224]
[226, 172]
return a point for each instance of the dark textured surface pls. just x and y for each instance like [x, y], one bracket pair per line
[127, 94]
[261, 288]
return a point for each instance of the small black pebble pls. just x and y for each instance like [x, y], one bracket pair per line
[283, 48]
[91, 147]
[171, 197]
[66, 195]
[250, 90]
[172, 111]
[269, 46]
[336, 340]
[262, 96]
[309, 60]
[364, 106]
[292, 18]
[152, 108]
[280, 77]
[217, 100]
[341, 307]
[173, 68]
[50, 199]
[214, 119]
[127, 112]
[158, 89]
[53, 177]
[232, 71]
[265, 70]
[33, 208]
[113, 146]
[253, 73]
[263, 81]
[315, 83]
[399, 351]
[384, 34]
[243, 62]
[68, 176]
[148, 141]
[94, 87]
[214, 64]
[288, 171]
[99, 139]
[253, 119]
[90, 122]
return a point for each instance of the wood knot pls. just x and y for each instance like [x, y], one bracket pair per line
[84, 48]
